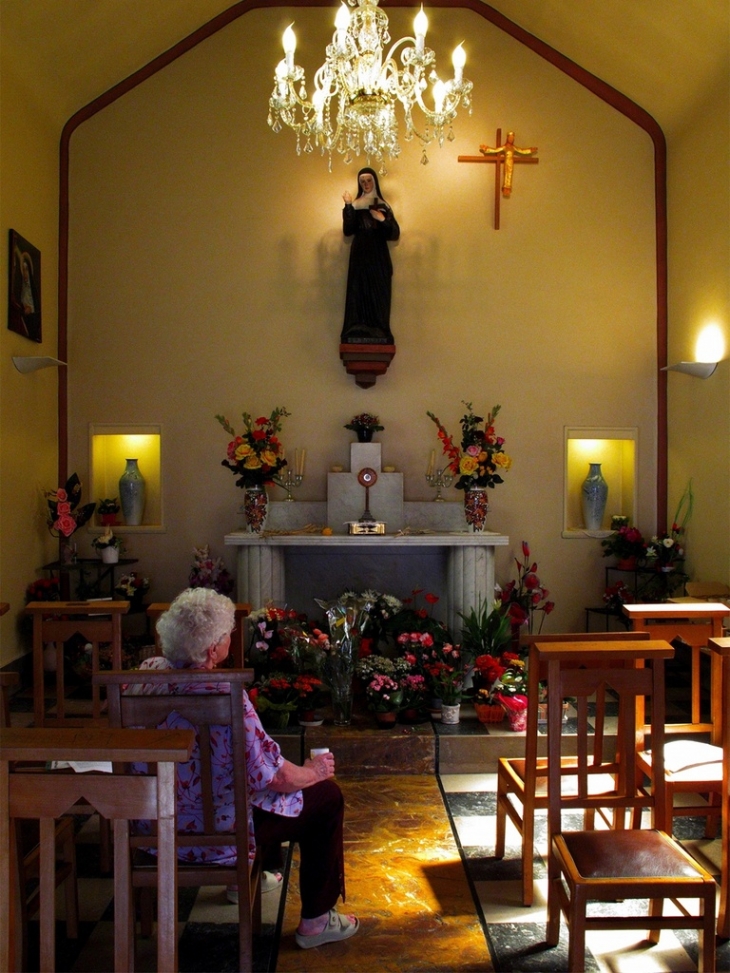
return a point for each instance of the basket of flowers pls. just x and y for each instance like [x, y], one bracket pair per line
[364, 426]
[487, 708]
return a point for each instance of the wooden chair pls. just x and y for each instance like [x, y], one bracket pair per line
[237, 636]
[45, 795]
[204, 712]
[28, 851]
[522, 781]
[56, 622]
[613, 866]
[692, 766]
[721, 647]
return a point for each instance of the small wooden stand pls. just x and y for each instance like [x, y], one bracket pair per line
[366, 362]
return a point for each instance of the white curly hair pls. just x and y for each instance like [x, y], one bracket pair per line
[197, 619]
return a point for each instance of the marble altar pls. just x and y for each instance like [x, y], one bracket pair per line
[427, 546]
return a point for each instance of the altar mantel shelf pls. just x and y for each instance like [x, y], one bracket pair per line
[262, 564]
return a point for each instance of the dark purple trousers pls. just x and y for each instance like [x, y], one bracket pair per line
[318, 831]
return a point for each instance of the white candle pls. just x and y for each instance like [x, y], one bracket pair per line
[431, 462]
[302, 457]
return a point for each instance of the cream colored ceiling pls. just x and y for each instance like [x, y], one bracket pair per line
[666, 55]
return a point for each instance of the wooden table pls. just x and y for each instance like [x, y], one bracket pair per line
[47, 794]
[58, 621]
[721, 648]
[696, 623]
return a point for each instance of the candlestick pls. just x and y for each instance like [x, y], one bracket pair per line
[290, 481]
[300, 467]
[440, 479]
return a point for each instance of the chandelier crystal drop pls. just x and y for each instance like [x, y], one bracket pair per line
[352, 109]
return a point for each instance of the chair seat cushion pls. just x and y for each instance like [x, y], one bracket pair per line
[597, 783]
[689, 758]
[627, 854]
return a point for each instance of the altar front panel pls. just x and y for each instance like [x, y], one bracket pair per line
[293, 570]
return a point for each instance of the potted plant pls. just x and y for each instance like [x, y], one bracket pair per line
[107, 510]
[108, 546]
[309, 690]
[446, 678]
[364, 425]
[275, 699]
[484, 632]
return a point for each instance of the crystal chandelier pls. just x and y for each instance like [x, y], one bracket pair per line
[352, 109]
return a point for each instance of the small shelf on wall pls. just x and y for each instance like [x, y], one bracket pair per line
[616, 450]
[110, 446]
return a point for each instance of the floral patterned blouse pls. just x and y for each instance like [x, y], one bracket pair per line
[263, 757]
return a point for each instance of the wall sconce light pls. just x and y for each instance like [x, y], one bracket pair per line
[34, 362]
[700, 369]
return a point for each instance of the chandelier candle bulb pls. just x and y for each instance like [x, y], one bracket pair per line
[420, 25]
[342, 22]
[289, 41]
[458, 59]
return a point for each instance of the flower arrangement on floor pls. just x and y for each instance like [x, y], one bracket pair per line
[283, 640]
[256, 457]
[132, 587]
[420, 620]
[65, 514]
[481, 459]
[364, 425]
[664, 550]
[275, 699]
[445, 674]
[524, 598]
[626, 544]
[209, 572]
[347, 618]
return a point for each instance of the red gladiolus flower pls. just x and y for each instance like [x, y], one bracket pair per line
[525, 550]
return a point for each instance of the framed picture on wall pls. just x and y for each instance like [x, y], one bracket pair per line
[24, 288]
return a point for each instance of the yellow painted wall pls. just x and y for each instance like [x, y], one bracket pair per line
[699, 295]
[208, 269]
[28, 403]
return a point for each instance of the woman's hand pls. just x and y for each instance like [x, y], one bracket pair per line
[377, 215]
[323, 765]
[347, 198]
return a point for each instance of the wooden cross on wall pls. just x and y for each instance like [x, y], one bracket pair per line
[503, 157]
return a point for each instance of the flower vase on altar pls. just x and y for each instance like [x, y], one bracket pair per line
[478, 463]
[347, 619]
[476, 507]
[255, 508]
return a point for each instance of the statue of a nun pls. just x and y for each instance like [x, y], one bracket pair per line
[371, 222]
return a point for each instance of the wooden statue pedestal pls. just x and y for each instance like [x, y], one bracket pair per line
[366, 362]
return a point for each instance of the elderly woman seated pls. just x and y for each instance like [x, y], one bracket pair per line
[289, 802]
